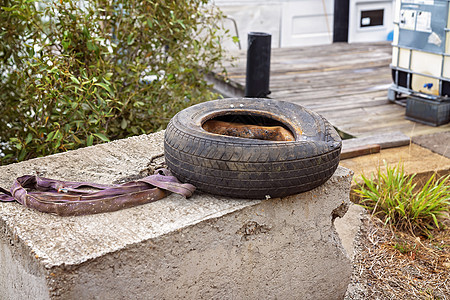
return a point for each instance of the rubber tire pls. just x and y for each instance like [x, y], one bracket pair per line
[248, 168]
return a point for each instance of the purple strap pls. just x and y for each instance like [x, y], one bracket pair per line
[67, 198]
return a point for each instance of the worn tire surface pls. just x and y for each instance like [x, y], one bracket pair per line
[249, 168]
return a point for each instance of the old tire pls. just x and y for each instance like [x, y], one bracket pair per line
[248, 168]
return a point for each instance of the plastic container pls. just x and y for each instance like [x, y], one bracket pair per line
[428, 112]
[421, 49]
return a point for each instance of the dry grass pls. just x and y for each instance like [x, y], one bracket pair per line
[396, 265]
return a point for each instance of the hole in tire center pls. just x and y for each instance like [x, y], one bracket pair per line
[250, 127]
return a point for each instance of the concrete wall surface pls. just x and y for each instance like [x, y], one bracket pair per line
[198, 248]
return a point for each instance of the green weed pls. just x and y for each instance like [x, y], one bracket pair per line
[395, 198]
[404, 248]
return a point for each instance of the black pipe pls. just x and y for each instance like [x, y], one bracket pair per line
[258, 65]
[341, 11]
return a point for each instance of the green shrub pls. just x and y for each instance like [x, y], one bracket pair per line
[395, 198]
[76, 73]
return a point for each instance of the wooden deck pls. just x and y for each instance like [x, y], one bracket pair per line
[346, 83]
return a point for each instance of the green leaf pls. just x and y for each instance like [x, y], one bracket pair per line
[102, 137]
[77, 140]
[106, 87]
[56, 135]
[5, 8]
[74, 79]
[138, 104]
[22, 154]
[130, 39]
[435, 220]
[108, 75]
[28, 138]
[50, 136]
[123, 124]
[86, 32]
[90, 140]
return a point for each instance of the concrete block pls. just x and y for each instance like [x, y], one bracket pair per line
[200, 248]
[349, 226]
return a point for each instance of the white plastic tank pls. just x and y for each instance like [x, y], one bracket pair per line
[421, 49]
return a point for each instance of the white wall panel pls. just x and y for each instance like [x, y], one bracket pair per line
[306, 22]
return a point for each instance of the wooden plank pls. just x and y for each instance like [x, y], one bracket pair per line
[384, 140]
[359, 151]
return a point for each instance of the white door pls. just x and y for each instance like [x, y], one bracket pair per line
[306, 22]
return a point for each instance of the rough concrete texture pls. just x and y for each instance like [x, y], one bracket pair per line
[202, 247]
[436, 142]
[349, 226]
